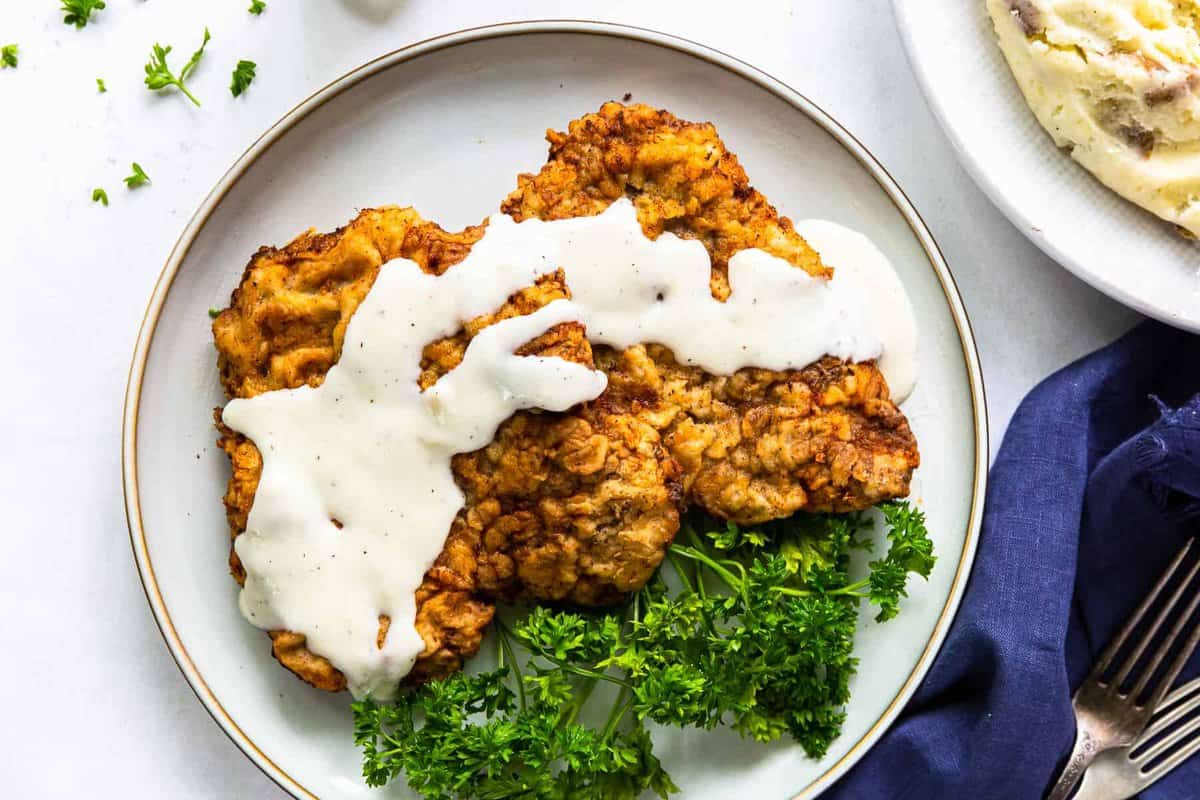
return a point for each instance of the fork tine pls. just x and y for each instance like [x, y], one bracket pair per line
[1174, 760]
[1177, 712]
[1149, 637]
[1169, 642]
[1190, 747]
[1118, 641]
[1184, 695]
[1180, 659]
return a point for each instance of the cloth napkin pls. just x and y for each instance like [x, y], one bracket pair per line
[1095, 489]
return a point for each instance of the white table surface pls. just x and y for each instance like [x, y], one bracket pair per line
[92, 702]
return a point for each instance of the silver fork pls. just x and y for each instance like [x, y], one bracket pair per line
[1119, 774]
[1107, 717]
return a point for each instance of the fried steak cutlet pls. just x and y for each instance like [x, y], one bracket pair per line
[580, 506]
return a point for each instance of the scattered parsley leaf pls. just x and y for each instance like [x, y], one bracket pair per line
[243, 74]
[159, 75]
[138, 178]
[751, 629]
[100, 196]
[100, 87]
[79, 12]
[213, 313]
[257, 7]
[8, 56]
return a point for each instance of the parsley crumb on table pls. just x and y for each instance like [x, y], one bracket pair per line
[243, 74]
[79, 12]
[138, 178]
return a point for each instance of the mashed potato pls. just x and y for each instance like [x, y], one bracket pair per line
[1117, 82]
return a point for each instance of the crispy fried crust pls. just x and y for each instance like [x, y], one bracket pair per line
[580, 506]
[760, 445]
[753, 446]
[678, 175]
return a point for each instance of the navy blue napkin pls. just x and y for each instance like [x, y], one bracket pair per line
[1093, 492]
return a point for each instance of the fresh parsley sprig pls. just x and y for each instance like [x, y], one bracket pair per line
[8, 56]
[243, 74]
[159, 75]
[751, 628]
[257, 7]
[100, 196]
[79, 12]
[472, 736]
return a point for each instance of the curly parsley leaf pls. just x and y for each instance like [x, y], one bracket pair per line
[753, 629]
[243, 74]
[8, 56]
[138, 178]
[468, 737]
[100, 87]
[100, 196]
[910, 552]
[159, 75]
[257, 7]
[79, 12]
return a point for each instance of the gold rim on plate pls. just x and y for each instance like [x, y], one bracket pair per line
[319, 98]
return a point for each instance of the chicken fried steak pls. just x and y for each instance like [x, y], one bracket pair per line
[578, 506]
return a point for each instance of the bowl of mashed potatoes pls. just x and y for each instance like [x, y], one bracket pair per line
[1080, 120]
[1116, 83]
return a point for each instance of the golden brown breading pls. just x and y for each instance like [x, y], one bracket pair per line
[757, 445]
[287, 318]
[760, 445]
[579, 506]
[679, 177]
[569, 507]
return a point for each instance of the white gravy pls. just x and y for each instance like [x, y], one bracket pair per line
[369, 452]
[857, 260]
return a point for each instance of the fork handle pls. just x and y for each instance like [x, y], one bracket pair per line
[1082, 754]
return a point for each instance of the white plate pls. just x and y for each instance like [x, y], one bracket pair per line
[1125, 252]
[446, 125]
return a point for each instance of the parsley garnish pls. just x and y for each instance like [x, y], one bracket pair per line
[138, 178]
[213, 313]
[159, 75]
[100, 196]
[8, 55]
[257, 7]
[79, 12]
[100, 87]
[243, 74]
[748, 628]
